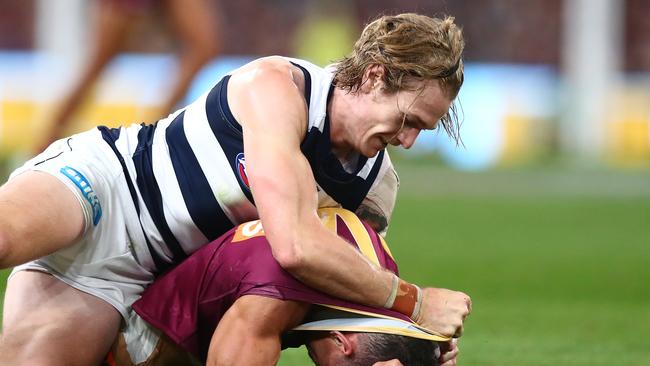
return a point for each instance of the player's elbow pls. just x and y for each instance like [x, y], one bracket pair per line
[290, 255]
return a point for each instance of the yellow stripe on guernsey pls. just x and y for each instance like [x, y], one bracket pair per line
[359, 232]
[328, 217]
[385, 245]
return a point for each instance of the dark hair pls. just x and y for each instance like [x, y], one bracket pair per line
[375, 347]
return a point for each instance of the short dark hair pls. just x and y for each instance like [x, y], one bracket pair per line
[375, 347]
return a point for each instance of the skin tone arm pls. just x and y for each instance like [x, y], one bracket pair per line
[253, 323]
[266, 100]
[256, 323]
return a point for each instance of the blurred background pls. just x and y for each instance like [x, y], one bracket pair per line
[543, 216]
[545, 78]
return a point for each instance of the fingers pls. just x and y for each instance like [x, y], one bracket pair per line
[449, 353]
[445, 311]
[465, 314]
[449, 363]
[458, 314]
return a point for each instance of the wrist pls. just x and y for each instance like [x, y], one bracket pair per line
[405, 298]
[390, 301]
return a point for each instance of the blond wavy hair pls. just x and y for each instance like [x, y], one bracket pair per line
[410, 47]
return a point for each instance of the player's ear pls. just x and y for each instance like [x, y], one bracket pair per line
[344, 342]
[373, 78]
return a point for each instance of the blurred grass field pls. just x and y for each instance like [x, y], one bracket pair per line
[557, 261]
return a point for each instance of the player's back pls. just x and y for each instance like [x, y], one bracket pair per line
[188, 302]
[187, 172]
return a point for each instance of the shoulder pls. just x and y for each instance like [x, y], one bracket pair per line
[272, 68]
[282, 71]
[266, 88]
[263, 315]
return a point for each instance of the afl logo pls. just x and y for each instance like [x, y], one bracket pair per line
[240, 166]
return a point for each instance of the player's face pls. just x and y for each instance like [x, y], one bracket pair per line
[398, 118]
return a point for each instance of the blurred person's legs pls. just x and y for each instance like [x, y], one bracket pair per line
[195, 23]
[113, 20]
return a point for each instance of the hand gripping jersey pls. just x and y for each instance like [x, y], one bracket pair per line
[187, 179]
[187, 303]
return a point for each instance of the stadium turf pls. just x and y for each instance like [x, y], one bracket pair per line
[557, 263]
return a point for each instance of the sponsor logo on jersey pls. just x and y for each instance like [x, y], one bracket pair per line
[240, 164]
[86, 190]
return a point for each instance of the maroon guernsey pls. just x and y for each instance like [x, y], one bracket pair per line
[188, 302]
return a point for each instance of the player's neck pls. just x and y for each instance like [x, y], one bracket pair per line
[339, 110]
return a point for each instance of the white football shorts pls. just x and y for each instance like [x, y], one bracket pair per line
[110, 260]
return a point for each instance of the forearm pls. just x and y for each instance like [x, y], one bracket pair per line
[239, 349]
[331, 265]
[249, 332]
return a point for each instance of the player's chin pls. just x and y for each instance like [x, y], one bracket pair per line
[371, 150]
[370, 153]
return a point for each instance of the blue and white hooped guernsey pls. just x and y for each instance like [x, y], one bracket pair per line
[187, 173]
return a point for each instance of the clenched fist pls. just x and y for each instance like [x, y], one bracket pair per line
[444, 311]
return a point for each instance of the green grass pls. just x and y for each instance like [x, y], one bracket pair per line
[3, 285]
[557, 262]
[553, 280]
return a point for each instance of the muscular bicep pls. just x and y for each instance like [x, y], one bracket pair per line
[284, 192]
[273, 112]
[253, 323]
[262, 316]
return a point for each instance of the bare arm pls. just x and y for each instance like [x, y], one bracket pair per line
[272, 111]
[265, 99]
[249, 333]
